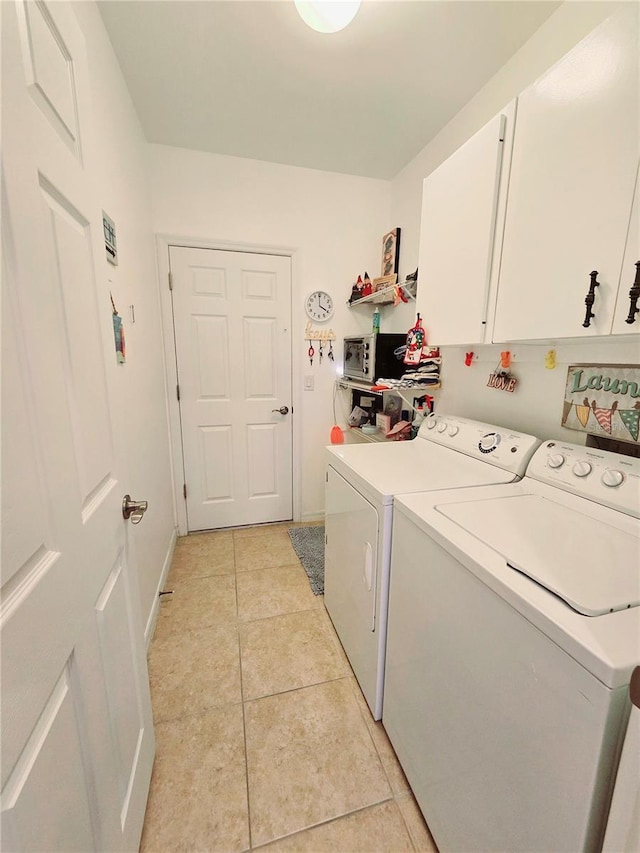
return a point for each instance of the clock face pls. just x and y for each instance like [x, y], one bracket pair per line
[319, 306]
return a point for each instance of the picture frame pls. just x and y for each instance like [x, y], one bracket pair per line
[384, 281]
[602, 400]
[390, 252]
[380, 284]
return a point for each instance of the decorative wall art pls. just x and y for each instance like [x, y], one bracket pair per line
[118, 333]
[383, 286]
[603, 399]
[390, 252]
[501, 377]
[384, 282]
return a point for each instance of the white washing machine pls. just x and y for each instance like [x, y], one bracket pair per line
[361, 482]
[514, 627]
[623, 824]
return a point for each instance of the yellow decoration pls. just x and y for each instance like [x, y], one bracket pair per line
[550, 359]
[583, 413]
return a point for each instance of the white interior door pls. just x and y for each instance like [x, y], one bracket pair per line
[77, 736]
[232, 320]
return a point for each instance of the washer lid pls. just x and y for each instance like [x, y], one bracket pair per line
[385, 470]
[589, 564]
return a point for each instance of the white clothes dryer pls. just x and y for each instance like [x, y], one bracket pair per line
[361, 482]
[514, 627]
[623, 824]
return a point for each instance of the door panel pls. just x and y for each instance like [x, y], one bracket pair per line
[232, 321]
[216, 462]
[629, 271]
[212, 343]
[569, 199]
[50, 771]
[49, 71]
[262, 446]
[84, 374]
[260, 354]
[77, 736]
[457, 229]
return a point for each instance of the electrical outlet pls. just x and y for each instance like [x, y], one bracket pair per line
[308, 383]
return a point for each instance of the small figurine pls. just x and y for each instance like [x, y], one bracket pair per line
[356, 290]
[367, 287]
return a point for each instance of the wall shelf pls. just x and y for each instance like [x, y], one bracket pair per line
[370, 436]
[415, 390]
[386, 296]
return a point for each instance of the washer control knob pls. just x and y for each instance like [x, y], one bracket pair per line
[612, 478]
[431, 422]
[582, 469]
[442, 426]
[555, 460]
[489, 441]
[454, 430]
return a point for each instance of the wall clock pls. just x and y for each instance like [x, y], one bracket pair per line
[319, 306]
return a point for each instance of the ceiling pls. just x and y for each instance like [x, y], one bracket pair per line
[249, 78]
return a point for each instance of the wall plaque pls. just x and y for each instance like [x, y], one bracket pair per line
[603, 399]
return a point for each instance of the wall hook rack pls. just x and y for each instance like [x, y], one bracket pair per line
[311, 334]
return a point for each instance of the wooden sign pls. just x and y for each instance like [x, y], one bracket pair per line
[603, 399]
[502, 381]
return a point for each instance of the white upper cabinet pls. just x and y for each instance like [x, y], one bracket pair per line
[625, 319]
[457, 230]
[575, 158]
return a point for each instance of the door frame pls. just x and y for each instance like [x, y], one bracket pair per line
[178, 477]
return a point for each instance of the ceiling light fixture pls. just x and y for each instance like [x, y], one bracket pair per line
[327, 16]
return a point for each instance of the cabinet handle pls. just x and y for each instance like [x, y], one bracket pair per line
[634, 295]
[591, 298]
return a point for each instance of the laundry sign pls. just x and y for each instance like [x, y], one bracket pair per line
[603, 399]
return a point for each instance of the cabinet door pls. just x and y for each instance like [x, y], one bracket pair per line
[574, 162]
[630, 273]
[459, 204]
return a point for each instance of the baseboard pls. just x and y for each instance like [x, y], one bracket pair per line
[312, 516]
[153, 615]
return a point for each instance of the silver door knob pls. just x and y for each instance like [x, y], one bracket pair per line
[133, 510]
[284, 410]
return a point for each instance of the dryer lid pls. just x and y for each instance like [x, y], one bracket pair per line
[591, 565]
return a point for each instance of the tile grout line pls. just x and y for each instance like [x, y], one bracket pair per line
[366, 715]
[244, 716]
[329, 632]
[326, 822]
[296, 689]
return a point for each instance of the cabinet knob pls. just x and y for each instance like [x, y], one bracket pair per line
[590, 299]
[634, 295]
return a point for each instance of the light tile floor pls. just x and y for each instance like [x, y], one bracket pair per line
[263, 736]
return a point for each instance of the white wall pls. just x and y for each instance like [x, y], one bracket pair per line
[536, 404]
[334, 225]
[141, 407]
